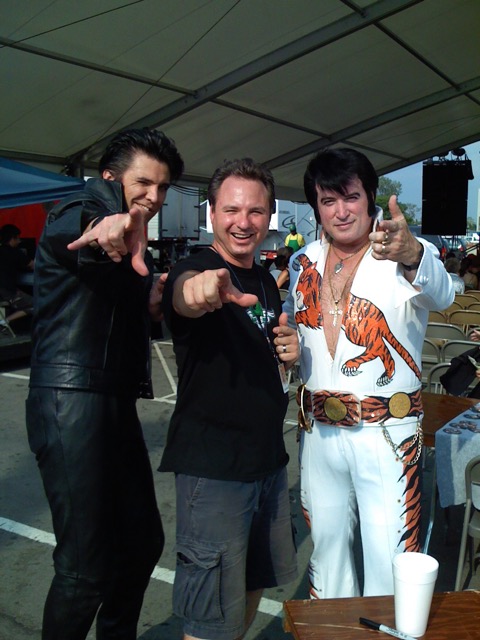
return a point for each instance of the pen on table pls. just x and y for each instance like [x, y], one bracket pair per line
[385, 629]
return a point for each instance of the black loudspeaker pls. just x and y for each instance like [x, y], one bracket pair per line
[444, 197]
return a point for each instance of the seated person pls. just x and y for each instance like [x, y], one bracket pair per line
[281, 272]
[452, 266]
[469, 268]
[12, 262]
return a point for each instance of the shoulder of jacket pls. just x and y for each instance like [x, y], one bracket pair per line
[97, 192]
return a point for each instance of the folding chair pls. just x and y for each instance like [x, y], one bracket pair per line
[474, 307]
[464, 299]
[433, 378]
[452, 307]
[430, 357]
[465, 318]
[437, 316]
[471, 523]
[283, 294]
[453, 348]
[474, 292]
[444, 331]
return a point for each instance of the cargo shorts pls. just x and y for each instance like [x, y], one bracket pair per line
[232, 537]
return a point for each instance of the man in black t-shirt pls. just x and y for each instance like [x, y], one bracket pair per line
[225, 441]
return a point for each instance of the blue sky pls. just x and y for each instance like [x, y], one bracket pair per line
[411, 179]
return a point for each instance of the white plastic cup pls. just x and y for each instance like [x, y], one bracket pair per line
[414, 576]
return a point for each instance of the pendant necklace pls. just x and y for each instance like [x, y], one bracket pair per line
[336, 312]
[339, 265]
[256, 309]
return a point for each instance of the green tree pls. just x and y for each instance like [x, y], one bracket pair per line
[471, 224]
[387, 188]
[412, 214]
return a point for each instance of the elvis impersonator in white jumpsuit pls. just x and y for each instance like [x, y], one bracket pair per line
[361, 412]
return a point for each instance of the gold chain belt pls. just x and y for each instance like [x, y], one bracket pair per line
[344, 409]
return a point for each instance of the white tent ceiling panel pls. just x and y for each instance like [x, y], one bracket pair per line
[425, 128]
[276, 79]
[247, 32]
[216, 129]
[444, 32]
[137, 43]
[92, 111]
[325, 78]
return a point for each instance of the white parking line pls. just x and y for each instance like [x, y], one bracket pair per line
[166, 370]
[171, 398]
[16, 375]
[27, 532]
[267, 606]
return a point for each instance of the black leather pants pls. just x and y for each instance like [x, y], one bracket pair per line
[99, 484]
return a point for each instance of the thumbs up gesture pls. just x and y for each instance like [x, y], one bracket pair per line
[393, 240]
[286, 341]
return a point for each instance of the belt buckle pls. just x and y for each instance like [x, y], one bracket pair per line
[342, 409]
[335, 409]
[399, 405]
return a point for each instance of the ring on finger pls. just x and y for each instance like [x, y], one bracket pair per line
[284, 348]
[383, 249]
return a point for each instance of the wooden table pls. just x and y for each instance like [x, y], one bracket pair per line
[440, 409]
[453, 616]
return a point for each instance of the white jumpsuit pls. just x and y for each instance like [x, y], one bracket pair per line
[351, 474]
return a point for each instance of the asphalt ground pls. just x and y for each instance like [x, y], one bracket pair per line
[26, 539]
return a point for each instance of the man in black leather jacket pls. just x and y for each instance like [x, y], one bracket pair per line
[92, 297]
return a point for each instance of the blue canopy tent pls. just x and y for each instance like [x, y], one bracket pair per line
[22, 184]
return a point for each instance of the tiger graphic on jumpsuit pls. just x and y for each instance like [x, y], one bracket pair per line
[364, 324]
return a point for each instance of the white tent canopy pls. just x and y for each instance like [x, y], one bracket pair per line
[272, 79]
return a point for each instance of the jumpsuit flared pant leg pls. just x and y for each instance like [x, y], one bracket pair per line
[349, 476]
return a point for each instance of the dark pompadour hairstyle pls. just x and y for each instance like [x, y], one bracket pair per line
[126, 144]
[334, 169]
[247, 169]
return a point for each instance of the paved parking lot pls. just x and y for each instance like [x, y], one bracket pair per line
[26, 538]
[26, 534]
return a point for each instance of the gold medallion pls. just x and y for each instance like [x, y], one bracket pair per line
[335, 409]
[399, 405]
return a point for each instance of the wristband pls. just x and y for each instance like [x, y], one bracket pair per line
[415, 265]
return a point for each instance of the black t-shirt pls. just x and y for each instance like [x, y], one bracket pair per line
[228, 420]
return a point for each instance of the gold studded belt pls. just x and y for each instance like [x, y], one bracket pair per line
[344, 409]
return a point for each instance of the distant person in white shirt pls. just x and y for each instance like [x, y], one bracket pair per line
[452, 266]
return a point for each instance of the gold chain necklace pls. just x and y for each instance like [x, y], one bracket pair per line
[339, 265]
[337, 311]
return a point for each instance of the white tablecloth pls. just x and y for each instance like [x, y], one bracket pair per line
[456, 443]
